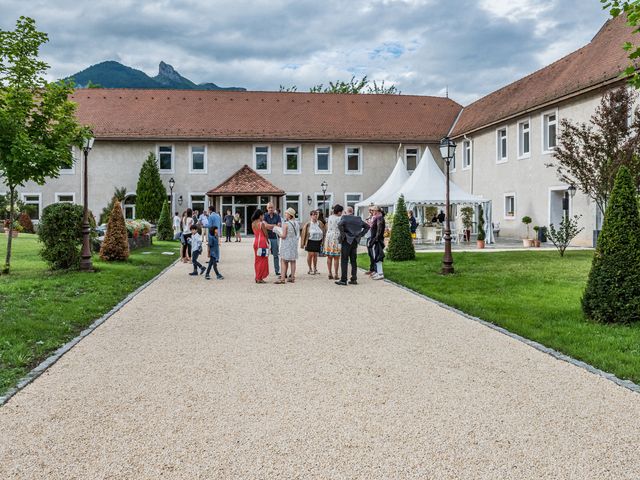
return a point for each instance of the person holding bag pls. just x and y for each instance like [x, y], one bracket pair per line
[260, 246]
[311, 239]
[289, 234]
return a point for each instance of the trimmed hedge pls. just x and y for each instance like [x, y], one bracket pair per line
[400, 243]
[60, 232]
[116, 243]
[612, 294]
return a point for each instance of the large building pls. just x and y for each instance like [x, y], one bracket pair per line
[238, 150]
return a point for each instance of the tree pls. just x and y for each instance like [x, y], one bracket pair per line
[401, 244]
[632, 10]
[353, 86]
[481, 233]
[60, 232]
[37, 121]
[567, 231]
[589, 155]
[119, 194]
[613, 288]
[25, 220]
[116, 241]
[150, 192]
[165, 228]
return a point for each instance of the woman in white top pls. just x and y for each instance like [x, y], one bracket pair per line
[187, 221]
[332, 244]
[311, 240]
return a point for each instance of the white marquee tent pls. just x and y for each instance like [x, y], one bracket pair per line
[389, 188]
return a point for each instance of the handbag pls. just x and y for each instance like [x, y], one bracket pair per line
[262, 252]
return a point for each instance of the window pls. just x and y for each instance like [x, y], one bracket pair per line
[198, 163]
[197, 201]
[165, 158]
[509, 205]
[411, 155]
[350, 199]
[262, 158]
[466, 154]
[323, 159]
[324, 202]
[292, 159]
[452, 165]
[130, 206]
[502, 145]
[292, 200]
[65, 197]
[524, 139]
[549, 124]
[353, 160]
[33, 204]
[72, 170]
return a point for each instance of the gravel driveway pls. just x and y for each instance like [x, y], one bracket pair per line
[229, 379]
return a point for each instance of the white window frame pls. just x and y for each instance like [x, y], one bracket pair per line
[520, 142]
[192, 194]
[59, 194]
[285, 170]
[34, 194]
[515, 206]
[346, 160]
[72, 170]
[255, 159]
[453, 165]
[545, 149]
[318, 195]
[417, 156]
[300, 202]
[206, 159]
[173, 157]
[346, 194]
[315, 160]
[124, 205]
[499, 158]
[465, 156]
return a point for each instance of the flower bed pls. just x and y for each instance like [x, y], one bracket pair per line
[139, 233]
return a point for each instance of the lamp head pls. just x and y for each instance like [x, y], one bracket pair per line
[447, 149]
[572, 190]
[88, 144]
[324, 186]
[172, 183]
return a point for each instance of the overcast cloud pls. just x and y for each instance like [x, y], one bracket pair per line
[421, 46]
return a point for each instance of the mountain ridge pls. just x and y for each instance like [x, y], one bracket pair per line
[112, 74]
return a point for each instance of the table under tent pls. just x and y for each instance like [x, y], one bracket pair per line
[426, 188]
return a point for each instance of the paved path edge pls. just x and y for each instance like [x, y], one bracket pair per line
[59, 353]
[628, 384]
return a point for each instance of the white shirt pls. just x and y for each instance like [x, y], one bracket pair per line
[315, 232]
[176, 223]
[186, 228]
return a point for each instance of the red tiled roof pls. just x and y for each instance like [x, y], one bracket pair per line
[600, 61]
[130, 114]
[246, 181]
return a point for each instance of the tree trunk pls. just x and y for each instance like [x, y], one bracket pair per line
[7, 262]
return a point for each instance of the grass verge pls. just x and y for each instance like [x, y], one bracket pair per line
[40, 310]
[533, 294]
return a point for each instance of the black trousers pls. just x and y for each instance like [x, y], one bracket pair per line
[228, 232]
[349, 253]
[212, 263]
[194, 260]
[372, 264]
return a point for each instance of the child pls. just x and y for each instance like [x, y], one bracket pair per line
[196, 250]
[214, 254]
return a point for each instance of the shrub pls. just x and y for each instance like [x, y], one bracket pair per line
[60, 232]
[119, 194]
[401, 244]
[527, 220]
[135, 228]
[116, 244]
[567, 231]
[612, 293]
[151, 194]
[165, 228]
[481, 233]
[25, 221]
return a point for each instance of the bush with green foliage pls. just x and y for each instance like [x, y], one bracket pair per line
[151, 194]
[527, 221]
[612, 294]
[119, 194]
[401, 244]
[481, 232]
[60, 232]
[25, 221]
[116, 241]
[165, 228]
[566, 232]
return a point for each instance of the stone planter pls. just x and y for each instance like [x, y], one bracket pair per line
[141, 241]
[480, 244]
[14, 234]
[527, 242]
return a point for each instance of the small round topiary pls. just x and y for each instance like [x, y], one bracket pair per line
[60, 232]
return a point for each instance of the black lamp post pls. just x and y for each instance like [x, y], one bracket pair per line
[447, 151]
[85, 255]
[324, 186]
[172, 184]
[569, 193]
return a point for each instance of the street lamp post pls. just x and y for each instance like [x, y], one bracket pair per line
[85, 255]
[324, 186]
[172, 183]
[447, 150]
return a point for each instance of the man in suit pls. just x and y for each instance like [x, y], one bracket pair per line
[352, 228]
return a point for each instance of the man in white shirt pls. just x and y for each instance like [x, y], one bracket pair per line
[177, 229]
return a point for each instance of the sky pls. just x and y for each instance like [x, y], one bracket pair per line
[423, 47]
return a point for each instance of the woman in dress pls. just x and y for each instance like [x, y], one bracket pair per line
[332, 243]
[311, 240]
[289, 234]
[376, 243]
[187, 221]
[260, 244]
[237, 225]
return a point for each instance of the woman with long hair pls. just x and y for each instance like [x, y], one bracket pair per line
[187, 221]
[290, 232]
[260, 246]
[237, 225]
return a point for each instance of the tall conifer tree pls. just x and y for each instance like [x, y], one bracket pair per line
[150, 192]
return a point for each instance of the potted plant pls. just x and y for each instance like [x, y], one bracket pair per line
[481, 233]
[527, 242]
[467, 222]
[536, 240]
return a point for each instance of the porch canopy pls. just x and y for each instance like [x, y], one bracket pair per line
[398, 177]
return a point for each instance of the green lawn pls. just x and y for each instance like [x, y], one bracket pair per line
[41, 310]
[534, 294]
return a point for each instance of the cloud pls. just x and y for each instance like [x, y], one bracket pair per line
[421, 46]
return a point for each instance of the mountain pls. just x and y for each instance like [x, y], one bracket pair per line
[111, 74]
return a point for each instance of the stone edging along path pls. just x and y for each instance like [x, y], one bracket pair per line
[628, 384]
[58, 354]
